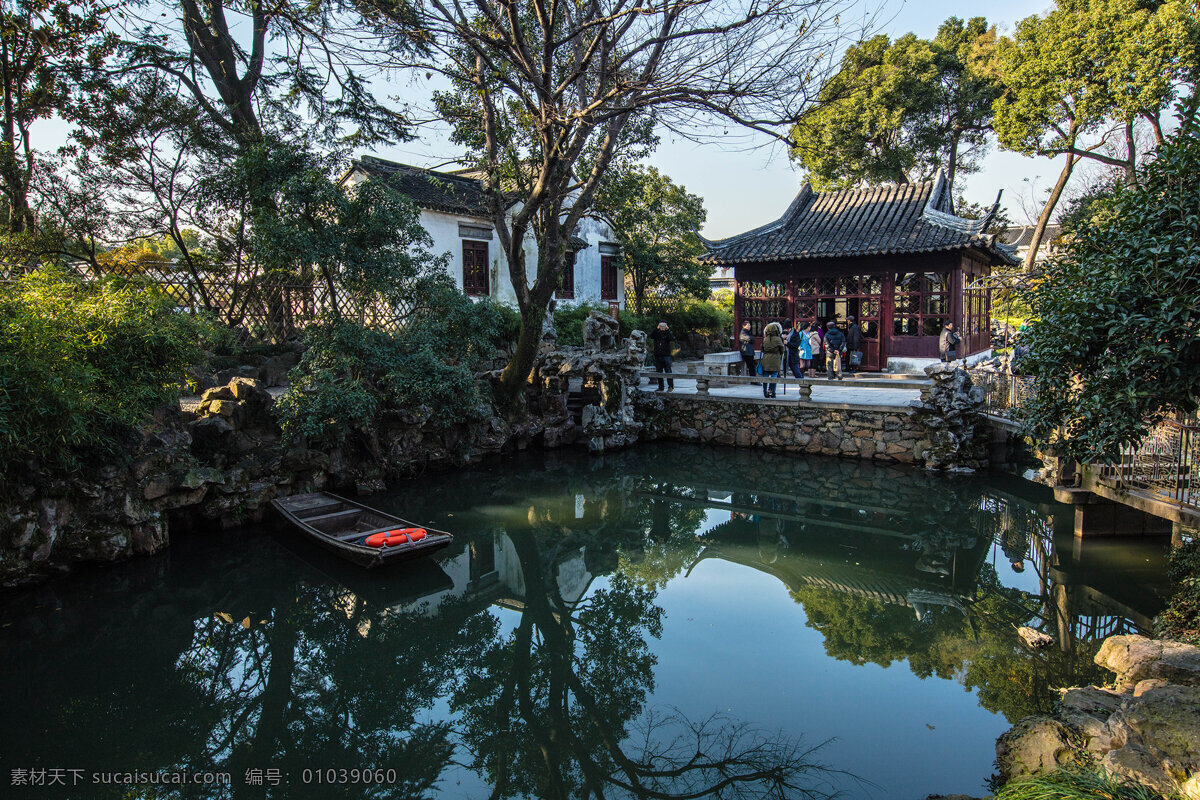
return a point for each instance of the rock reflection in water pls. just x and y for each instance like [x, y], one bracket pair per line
[507, 662]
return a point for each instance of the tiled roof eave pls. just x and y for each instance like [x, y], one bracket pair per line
[809, 256]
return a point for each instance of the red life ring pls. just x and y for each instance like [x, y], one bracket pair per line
[396, 536]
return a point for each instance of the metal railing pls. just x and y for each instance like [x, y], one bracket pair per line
[1006, 394]
[1164, 464]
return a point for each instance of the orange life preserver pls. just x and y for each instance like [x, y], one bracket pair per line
[395, 537]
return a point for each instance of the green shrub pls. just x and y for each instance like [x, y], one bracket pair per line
[83, 364]
[350, 374]
[695, 316]
[1078, 783]
[1180, 620]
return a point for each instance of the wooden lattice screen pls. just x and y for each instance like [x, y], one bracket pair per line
[266, 308]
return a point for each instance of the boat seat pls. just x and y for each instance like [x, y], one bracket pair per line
[333, 515]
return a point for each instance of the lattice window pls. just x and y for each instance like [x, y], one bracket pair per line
[608, 278]
[762, 302]
[921, 303]
[476, 281]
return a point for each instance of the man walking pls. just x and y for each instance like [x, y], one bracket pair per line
[835, 347]
[746, 346]
[948, 343]
[791, 340]
[854, 343]
[662, 354]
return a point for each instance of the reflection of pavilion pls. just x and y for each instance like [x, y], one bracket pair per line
[884, 571]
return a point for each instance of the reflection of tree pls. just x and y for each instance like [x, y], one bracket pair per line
[326, 673]
[551, 710]
[978, 647]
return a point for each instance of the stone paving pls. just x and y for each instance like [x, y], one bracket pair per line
[843, 393]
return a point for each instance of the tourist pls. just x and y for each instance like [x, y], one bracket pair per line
[804, 338]
[791, 340]
[854, 343]
[835, 348]
[662, 354]
[772, 356]
[746, 345]
[1014, 542]
[814, 344]
[948, 343]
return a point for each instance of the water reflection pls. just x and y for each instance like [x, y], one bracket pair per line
[524, 659]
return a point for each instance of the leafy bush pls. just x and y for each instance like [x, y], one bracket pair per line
[83, 364]
[350, 374]
[1115, 326]
[1180, 620]
[1076, 784]
[695, 316]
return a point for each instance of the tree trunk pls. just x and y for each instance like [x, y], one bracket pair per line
[1044, 219]
[952, 162]
[1130, 155]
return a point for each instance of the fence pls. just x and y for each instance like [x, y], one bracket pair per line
[1006, 394]
[1163, 464]
[268, 308]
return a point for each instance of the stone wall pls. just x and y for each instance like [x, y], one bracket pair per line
[880, 434]
[221, 465]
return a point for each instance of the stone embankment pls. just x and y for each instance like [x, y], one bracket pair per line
[945, 431]
[222, 462]
[1145, 727]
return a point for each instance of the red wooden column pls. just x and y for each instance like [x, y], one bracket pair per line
[887, 308]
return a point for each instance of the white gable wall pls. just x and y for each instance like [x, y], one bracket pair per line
[443, 228]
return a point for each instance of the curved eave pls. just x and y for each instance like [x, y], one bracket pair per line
[994, 255]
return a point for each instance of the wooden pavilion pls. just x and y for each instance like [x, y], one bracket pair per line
[895, 257]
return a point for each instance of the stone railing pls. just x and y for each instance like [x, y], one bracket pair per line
[804, 386]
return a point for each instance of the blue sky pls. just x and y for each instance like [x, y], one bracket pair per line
[750, 183]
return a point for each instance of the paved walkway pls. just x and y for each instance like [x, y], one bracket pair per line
[840, 394]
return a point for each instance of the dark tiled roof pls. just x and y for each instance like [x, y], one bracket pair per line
[886, 220]
[436, 191]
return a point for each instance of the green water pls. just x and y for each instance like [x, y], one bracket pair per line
[652, 624]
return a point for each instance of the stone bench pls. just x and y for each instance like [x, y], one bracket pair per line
[727, 363]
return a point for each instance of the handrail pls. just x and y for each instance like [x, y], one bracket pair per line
[804, 386]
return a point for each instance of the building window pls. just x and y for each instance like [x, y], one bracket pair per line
[922, 303]
[566, 281]
[475, 268]
[762, 302]
[608, 278]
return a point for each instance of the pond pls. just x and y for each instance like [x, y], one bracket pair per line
[663, 622]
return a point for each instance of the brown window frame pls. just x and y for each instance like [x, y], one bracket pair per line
[476, 276]
[926, 321]
[608, 278]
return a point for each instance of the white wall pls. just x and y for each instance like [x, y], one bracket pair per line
[443, 228]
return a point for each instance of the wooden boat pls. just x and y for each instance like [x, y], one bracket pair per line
[344, 526]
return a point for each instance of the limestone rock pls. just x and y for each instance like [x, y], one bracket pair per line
[1092, 700]
[1034, 639]
[1034, 746]
[1141, 765]
[1135, 658]
[1165, 720]
[600, 332]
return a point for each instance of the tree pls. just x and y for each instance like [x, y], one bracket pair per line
[547, 97]
[1088, 68]
[1115, 333]
[656, 221]
[897, 111]
[46, 47]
